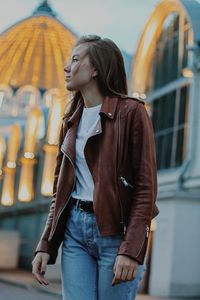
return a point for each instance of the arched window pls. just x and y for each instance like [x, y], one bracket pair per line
[170, 91]
[6, 96]
[27, 97]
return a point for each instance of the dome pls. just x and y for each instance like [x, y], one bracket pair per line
[34, 51]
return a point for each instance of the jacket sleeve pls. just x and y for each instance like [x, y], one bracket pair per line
[44, 245]
[144, 169]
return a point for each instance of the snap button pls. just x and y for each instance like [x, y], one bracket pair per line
[97, 130]
[110, 114]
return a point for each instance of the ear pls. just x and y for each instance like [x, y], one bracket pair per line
[95, 73]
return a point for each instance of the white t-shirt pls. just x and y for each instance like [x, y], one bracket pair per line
[84, 182]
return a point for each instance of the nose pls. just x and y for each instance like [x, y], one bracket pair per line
[67, 68]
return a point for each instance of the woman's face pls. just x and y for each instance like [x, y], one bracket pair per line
[79, 72]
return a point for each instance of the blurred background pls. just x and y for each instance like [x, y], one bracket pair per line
[160, 43]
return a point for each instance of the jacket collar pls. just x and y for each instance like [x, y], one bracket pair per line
[108, 108]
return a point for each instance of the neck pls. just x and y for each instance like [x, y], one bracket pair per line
[91, 97]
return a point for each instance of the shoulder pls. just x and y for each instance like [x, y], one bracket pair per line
[132, 99]
[129, 105]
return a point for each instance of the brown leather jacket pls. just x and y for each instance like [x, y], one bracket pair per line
[120, 154]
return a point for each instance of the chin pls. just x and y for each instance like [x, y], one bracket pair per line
[69, 88]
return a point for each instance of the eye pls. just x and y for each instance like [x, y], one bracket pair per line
[74, 59]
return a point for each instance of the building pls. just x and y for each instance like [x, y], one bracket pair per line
[32, 102]
[166, 71]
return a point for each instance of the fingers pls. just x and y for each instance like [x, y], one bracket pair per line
[131, 274]
[39, 268]
[43, 266]
[124, 269]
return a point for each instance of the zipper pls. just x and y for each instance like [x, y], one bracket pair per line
[117, 164]
[125, 183]
[56, 223]
[147, 231]
[145, 239]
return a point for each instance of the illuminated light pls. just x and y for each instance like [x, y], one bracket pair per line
[26, 190]
[7, 196]
[37, 61]
[136, 95]
[11, 164]
[48, 60]
[58, 59]
[31, 131]
[50, 150]
[153, 225]
[186, 72]
[29, 155]
[11, 59]
[13, 144]
[143, 96]
[147, 43]
[50, 153]
[31, 55]
[55, 121]
[2, 151]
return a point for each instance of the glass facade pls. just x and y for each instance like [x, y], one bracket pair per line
[170, 121]
[170, 110]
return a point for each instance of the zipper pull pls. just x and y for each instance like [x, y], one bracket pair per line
[125, 183]
[147, 231]
[124, 229]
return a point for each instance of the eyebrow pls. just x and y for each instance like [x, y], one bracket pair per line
[75, 55]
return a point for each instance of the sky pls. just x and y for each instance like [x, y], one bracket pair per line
[120, 20]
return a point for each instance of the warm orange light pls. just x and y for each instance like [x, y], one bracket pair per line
[2, 153]
[147, 43]
[35, 52]
[54, 122]
[7, 197]
[14, 143]
[32, 128]
[187, 72]
[26, 191]
[50, 152]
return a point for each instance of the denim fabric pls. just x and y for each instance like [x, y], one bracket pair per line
[87, 262]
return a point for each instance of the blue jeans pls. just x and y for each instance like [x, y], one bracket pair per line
[87, 262]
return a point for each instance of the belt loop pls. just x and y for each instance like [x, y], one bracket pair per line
[77, 203]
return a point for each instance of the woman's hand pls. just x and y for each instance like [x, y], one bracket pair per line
[39, 267]
[125, 269]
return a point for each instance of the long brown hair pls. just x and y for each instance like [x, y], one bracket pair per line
[106, 57]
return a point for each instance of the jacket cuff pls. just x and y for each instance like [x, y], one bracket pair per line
[135, 246]
[45, 246]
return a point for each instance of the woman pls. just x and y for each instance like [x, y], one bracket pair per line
[105, 181]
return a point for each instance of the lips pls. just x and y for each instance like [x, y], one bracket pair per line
[67, 79]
